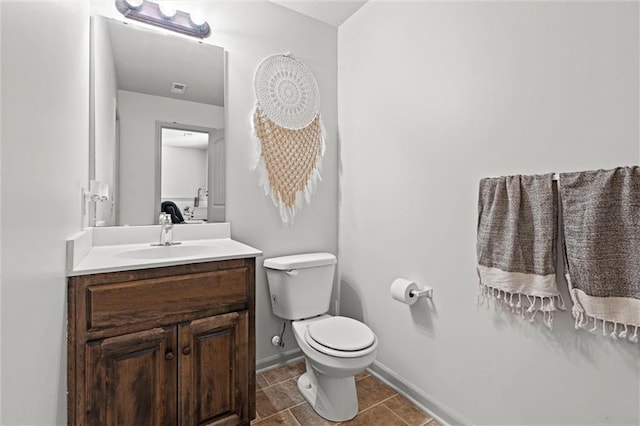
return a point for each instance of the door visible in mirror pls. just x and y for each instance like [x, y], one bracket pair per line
[187, 153]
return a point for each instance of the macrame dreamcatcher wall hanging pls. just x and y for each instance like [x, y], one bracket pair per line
[288, 132]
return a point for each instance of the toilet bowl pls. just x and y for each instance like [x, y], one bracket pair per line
[335, 348]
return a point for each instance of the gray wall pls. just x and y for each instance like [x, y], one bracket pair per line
[45, 151]
[432, 97]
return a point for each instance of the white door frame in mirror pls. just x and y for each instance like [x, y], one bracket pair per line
[216, 181]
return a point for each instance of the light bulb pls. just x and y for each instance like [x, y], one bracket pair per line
[133, 4]
[198, 19]
[167, 10]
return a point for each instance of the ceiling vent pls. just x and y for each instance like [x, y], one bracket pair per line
[178, 88]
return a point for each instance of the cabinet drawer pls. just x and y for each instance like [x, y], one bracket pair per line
[159, 300]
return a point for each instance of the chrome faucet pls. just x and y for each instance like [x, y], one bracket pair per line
[166, 230]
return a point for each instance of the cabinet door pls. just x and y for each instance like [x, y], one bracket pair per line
[131, 379]
[214, 370]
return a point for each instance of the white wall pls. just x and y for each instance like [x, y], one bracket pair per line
[432, 97]
[1, 133]
[45, 92]
[184, 170]
[138, 116]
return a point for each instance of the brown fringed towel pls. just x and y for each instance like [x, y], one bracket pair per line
[517, 230]
[601, 215]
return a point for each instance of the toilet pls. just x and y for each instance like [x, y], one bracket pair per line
[335, 348]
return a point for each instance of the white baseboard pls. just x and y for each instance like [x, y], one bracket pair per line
[444, 414]
[277, 360]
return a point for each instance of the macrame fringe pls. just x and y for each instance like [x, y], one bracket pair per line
[522, 305]
[287, 214]
[618, 330]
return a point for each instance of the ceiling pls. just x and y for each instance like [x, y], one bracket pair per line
[185, 139]
[331, 12]
[155, 61]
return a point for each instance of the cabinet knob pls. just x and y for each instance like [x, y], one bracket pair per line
[186, 350]
[168, 356]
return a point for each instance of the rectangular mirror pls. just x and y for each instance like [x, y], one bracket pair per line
[157, 125]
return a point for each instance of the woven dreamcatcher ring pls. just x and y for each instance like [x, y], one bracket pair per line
[287, 92]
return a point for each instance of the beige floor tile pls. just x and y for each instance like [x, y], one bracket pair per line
[278, 397]
[407, 411]
[278, 402]
[306, 416]
[283, 418]
[378, 415]
[362, 375]
[261, 382]
[372, 391]
[285, 372]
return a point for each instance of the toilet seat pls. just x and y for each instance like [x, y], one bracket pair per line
[341, 337]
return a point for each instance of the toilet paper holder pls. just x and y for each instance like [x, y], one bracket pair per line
[425, 292]
[408, 292]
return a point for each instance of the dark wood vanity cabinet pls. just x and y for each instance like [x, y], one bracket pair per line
[129, 381]
[163, 346]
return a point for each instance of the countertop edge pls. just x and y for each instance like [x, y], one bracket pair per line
[160, 264]
[105, 259]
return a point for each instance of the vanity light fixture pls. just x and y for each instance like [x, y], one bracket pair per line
[198, 19]
[133, 4]
[167, 10]
[164, 15]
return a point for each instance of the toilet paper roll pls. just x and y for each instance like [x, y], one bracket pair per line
[401, 291]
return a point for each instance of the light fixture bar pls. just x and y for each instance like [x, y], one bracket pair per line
[149, 13]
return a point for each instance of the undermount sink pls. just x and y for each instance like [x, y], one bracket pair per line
[165, 252]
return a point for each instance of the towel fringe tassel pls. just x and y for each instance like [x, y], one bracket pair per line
[504, 301]
[582, 321]
[548, 305]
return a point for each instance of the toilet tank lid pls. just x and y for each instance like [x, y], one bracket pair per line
[299, 261]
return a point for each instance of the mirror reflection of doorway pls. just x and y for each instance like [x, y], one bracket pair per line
[184, 171]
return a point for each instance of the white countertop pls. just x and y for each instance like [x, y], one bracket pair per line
[98, 250]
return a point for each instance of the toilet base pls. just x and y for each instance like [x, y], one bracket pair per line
[333, 398]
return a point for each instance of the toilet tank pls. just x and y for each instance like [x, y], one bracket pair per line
[300, 285]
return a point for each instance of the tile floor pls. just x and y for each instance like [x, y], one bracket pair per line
[278, 402]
